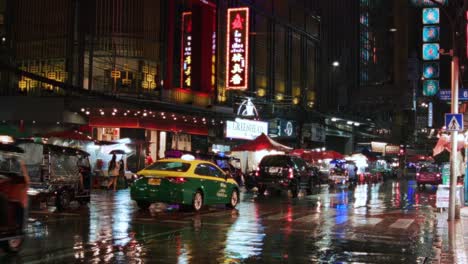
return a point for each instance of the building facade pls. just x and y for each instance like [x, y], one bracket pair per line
[156, 69]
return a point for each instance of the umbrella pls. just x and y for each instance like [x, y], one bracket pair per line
[262, 142]
[117, 152]
[331, 154]
[444, 143]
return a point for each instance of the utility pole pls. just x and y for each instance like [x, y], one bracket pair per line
[456, 19]
[454, 110]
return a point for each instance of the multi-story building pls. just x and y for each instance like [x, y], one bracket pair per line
[156, 70]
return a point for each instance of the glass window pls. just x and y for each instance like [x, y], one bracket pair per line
[429, 169]
[215, 171]
[299, 164]
[9, 163]
[202, 169]
[169, 166]
[274, 161]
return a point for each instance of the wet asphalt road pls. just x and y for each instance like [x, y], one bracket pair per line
[390, 222]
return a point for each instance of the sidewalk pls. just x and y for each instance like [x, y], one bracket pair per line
[450, 242]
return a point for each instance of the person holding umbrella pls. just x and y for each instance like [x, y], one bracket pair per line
[113, 172]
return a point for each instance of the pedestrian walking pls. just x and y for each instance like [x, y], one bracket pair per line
[113, 172]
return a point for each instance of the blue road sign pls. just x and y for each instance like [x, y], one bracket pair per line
[454, 122]
[446, 95]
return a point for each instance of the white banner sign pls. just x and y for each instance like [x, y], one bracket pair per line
[245, 129]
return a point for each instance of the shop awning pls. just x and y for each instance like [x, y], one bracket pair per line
[262, 142]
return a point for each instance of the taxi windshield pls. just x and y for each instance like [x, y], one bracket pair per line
[169, 166]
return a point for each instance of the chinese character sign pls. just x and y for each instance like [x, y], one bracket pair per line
[186, 53]
[237, 50]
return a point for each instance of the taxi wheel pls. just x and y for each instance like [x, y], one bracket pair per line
[197, 202]
[63, 200]
[13, 245]
[234, 199]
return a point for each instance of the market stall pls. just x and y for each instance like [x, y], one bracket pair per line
[251, 153]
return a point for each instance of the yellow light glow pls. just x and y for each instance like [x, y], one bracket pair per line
[261, 92]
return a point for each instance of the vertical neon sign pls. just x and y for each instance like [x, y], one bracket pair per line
[237, 48]
[186, 53]
[466, 34]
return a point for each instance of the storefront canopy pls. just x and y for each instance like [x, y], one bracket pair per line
[262, 142]
[69, 134]
[320, 155]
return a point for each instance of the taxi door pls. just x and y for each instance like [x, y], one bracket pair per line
[209, 184]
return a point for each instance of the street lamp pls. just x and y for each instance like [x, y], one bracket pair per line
[336, 64]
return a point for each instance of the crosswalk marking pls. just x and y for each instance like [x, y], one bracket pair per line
[308, 218]
[275, 216]
[402, 223]
[367, 221]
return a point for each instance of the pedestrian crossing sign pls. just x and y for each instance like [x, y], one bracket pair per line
[454, 122]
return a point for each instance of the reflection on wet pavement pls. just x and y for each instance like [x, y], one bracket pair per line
[389, 222]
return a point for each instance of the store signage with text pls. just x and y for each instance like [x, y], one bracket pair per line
[186, 63]
[237, 46]
[245, 129]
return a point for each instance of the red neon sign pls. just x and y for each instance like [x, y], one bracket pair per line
[237, 49]
[186, 53]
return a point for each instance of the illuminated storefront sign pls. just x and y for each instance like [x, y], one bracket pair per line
[431, 51]
[237, 55]
[431, 16]
[282, 128]
[428, 2]
[430, 114]
[186, 63]
[430, 87]
[430, 34]
[245, 129]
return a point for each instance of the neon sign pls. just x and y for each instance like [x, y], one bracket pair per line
[431, 16]
[186, 54]
[237, 50]
[430, 34]
[431, 51]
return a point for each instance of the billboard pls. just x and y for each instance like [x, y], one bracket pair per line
[430, 51]
[237, 48]
[186, 63]
[431, 16]
[431, 33]
[245, 129]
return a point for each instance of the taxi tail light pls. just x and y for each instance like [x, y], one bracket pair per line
[290, 173]
[177, 180]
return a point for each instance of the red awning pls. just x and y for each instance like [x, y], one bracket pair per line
[317, 155]
[68, 134]
[262, 142]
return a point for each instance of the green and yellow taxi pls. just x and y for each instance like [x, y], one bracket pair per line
[188, 182]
